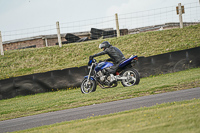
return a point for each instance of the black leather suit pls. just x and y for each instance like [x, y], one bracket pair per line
[115, 55]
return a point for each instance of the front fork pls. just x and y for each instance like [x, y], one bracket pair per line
[88, 78]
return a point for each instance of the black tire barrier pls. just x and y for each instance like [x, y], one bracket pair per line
[64, 42]
[83, 39]
[98, 33]
[72, 77]
[169, 62]
[109, 36]
[71, 37]
[109, 33]
[42, 82]
[95, 36]
[80, 40]
[33, 46]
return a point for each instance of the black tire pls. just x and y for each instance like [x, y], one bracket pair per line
[96, 31]
[95, 36]
[71, 37]
[110, 33]
[131, 73]
[82, 39]
[91, 87]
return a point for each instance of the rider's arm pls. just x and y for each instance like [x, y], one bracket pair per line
[99, 54]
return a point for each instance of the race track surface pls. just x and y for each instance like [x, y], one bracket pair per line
[95, 110]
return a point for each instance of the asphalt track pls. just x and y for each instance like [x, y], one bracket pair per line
[96, 109]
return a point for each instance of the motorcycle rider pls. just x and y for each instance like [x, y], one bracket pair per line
[114, 53]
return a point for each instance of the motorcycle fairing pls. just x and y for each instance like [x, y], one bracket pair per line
[102, 65]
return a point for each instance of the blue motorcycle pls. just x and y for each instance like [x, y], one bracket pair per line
[98, 74]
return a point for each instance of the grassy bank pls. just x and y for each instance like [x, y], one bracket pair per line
[22, 62]
[176, 117]
[65, 99]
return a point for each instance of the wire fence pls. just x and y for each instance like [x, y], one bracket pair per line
[159, 16]
[30, 32]
[126, 21]
[86, 25]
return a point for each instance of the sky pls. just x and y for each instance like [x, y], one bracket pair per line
[24, 14]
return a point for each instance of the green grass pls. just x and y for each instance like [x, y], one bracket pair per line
[65, 99]
[28, 61]
[176, 117]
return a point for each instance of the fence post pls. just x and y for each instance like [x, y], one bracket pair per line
[1, 44]
[58, 33]
[46, 41]
[117, 25]
[180, 15]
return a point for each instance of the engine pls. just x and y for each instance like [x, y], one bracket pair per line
[103, 77]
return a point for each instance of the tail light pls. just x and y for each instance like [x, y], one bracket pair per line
[136, 58]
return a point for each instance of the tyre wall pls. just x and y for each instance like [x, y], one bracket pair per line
[72, 77]
[169, 62]
[42, 82]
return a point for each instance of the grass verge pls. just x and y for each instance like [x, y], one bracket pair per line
[179, 117]
[28, 61]
[65, 99]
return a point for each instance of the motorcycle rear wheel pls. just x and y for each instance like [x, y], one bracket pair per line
[88, 88]
[133, 77]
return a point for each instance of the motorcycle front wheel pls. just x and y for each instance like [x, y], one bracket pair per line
[132, 75]
[87, 87]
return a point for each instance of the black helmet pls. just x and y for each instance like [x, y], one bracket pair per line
[104, 44]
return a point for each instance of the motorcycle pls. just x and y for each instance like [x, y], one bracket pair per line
[99, 74]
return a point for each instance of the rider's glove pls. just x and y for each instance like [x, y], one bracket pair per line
[91, 58]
